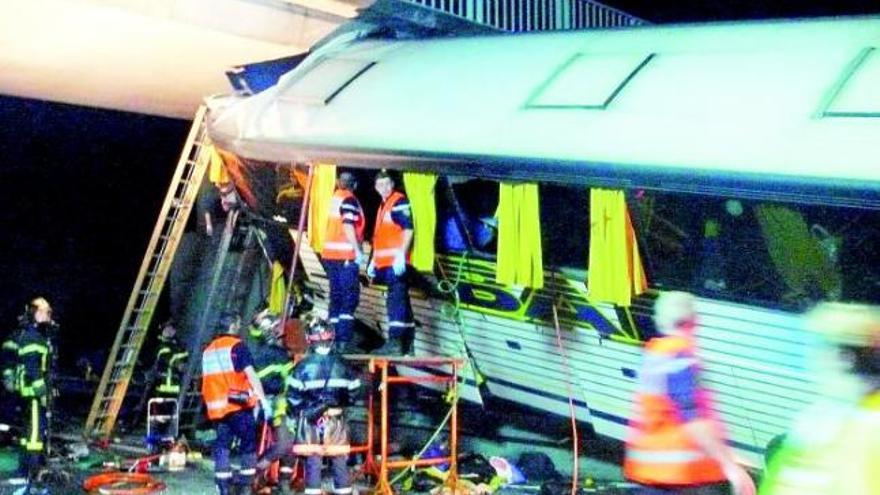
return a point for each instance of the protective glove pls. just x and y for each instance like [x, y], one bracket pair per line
[399, 265]
[371, 269]
[360, 258]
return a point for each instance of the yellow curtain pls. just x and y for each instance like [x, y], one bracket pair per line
[216, 170]
[797, 254]
[519, 236]
[420, 191]
[276, 289]
[615, 271]
[323, 185]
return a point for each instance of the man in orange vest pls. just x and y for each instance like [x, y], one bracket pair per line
[232, 390]
[676, 445]
[342, 257]
[392, 240]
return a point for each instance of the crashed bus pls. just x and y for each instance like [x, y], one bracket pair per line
[736, 161]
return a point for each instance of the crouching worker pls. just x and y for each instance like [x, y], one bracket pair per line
[232, 391]
[318, 390]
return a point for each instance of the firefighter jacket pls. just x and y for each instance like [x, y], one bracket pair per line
[659, 451]
[317, 389]
[224, 389]
[344, 208]
[832, 449]
[29, 354]
[321, 380]
[170, 360]
[272, 364]
[388, 236]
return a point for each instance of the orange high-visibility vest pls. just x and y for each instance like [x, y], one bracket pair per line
[659, 452]
[219, 379]
[387, 235]
[336, 245]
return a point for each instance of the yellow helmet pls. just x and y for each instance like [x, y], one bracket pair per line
[846, 324]
[40, 303]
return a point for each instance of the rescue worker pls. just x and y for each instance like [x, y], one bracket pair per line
[170, 361]
[163, 379]
[273, 363]
[29, 375]
[318, 390]
[342, 257]
[271, 359]
[392, 240]
[833, 445]
[232, 391]
[676, 445]
[164, 376]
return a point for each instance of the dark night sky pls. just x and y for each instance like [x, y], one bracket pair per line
[81, 191]
[82, 187]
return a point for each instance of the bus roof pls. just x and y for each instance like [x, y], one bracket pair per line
[783, 109]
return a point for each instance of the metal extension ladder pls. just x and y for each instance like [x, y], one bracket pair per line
[150, 280]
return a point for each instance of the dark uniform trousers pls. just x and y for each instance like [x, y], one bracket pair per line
[400, 315]
[345, 293]
[241, 425]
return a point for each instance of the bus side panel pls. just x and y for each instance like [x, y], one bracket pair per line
[754, 358]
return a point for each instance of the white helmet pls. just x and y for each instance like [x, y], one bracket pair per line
[672, 309]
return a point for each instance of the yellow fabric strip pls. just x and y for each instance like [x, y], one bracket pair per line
[216, 170]
[615, 272]
[519, 236]
[420, 192]
[276, 289]
[323, 185]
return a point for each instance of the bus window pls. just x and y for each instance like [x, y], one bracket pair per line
[466, 216]
[777, 254]
[565, 226]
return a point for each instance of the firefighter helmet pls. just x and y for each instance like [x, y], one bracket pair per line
[319, 330]
[266, 325]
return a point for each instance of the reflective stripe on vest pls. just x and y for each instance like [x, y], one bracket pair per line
[219, 378]
[336, 245]
[387, 235]
[659, 451]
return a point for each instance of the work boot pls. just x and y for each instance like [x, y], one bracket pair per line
[391, 347]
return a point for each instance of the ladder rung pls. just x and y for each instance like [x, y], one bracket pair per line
[183, 193]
